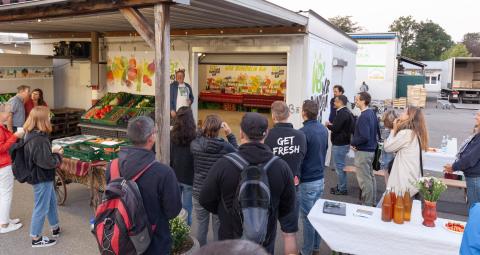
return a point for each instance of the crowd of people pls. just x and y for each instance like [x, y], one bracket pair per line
[278, 171]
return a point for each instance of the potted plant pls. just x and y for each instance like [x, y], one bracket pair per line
[430, 188]
[182, 242]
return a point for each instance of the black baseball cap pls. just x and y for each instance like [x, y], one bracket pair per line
[254, 125]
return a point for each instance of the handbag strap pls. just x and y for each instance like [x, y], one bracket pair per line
[421, 158]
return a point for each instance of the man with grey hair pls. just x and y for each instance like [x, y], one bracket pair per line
[17, 111]
[158, 184]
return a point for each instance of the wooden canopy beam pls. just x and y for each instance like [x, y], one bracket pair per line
[140, 23]
[181, 32]
[72, 8]
[162, 81]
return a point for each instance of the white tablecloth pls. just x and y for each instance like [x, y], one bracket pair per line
[435, 161]
[357, 235]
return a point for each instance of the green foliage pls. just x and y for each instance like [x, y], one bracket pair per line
[472, 42]
[407, 27]
[421, 40]
[431, 41]
[430, 188]
[458, 50]
[179, 230]
[345, 23]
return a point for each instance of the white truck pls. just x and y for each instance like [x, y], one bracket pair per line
[461, 80]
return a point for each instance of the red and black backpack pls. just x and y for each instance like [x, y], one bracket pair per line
[121, 224]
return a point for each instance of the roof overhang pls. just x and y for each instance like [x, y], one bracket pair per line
[198, 15]
[411, 61]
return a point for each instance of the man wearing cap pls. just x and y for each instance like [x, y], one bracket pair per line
[220, 187]
[311, 181]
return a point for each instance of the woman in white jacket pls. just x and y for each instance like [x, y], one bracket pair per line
[408, 137]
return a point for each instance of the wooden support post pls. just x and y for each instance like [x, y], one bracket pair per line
[94, 67]
[139, 22]
[162, 81]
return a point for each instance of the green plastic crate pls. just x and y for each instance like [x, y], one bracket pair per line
[73, 152]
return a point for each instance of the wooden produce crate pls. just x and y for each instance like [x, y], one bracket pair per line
[417, 96]
[400, 103]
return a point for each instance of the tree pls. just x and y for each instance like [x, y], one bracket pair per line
[430, 42]
[345, 23]
[458, 50]
[407, 27]
[472, 42]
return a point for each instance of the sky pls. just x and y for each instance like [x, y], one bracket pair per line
[456, 17]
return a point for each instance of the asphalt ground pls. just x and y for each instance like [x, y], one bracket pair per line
[75, 214]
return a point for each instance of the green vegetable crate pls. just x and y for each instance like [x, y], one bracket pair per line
[82, 151]
[108, 152]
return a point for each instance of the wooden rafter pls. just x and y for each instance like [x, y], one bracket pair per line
[72, 8]
[182, 32]
[141, 25]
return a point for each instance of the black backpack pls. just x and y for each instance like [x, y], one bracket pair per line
[252, 202]
[121, 224]
[21, 171]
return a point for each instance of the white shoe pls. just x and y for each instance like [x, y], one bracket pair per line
[10, 228]
[14, 221]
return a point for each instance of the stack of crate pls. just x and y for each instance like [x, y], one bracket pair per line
[388, 102]
[417, 96]
[65, 122]
[400, 103]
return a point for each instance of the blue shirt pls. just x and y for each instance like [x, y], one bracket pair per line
[17, 110]
[317, 145]
[366, 131]
[471, 236]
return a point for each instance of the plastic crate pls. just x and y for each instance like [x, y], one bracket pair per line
[87, 156]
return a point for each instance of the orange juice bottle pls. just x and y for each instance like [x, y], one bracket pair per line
[398, 210]
[394, 199]
[407, 204]
[387, 206]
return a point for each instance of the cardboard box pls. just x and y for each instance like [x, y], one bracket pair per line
[476, 84]
[457, 84]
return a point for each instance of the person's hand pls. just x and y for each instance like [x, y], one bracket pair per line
[173, 114]
[448, 168]
[226, 128]
[395, 124]
[19, 134]
[353, 148]
[296, 181]
[189, 101]
[327, 123]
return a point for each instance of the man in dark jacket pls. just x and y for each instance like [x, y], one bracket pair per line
[207, 149]
[342, 128]
[181, 93]
[337, 91]
[290, 145]
[468, 161]
[220, 188]
[364, 142]
[158, 185]
[312, 183]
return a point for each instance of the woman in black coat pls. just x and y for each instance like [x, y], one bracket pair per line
[181, 158]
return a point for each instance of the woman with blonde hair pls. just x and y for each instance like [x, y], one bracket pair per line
[42, 162]
[407, 140]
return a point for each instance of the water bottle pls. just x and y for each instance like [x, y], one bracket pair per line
[92, 223]
[444, 144]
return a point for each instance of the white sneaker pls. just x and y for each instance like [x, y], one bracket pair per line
[11, 227]
[14, 221]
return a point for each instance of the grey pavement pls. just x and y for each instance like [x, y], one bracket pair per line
[75, 214]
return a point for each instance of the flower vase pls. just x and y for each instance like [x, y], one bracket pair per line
[429, 213]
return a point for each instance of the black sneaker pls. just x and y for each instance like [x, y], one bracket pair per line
[43, 242]
[56, 232]
[336, 191]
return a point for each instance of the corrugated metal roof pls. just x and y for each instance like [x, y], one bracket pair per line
[199, 14]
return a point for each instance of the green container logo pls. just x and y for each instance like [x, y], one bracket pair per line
[318, 74]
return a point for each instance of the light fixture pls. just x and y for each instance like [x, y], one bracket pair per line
[39, 20]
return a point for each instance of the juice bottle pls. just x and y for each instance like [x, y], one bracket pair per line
[398, 210]
[387, 207]
[394, 199]
[407, 204]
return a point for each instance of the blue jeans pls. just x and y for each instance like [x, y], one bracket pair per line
[387, 157]
[203, 220]
[45, 204]
[339, 153]
[310, 192]
[186, 191]
[473, 190]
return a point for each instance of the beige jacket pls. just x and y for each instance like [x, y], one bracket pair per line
[406, 167]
